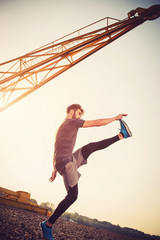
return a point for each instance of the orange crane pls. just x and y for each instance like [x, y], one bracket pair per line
[23, 75]
[22, 200]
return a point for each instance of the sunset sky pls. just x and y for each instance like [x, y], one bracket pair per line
[121, 184]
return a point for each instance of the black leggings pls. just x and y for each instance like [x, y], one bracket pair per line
[65, 204]
[72, 193]
[95, 146]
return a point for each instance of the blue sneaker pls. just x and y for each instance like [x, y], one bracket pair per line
[125, 129]
[47, 232]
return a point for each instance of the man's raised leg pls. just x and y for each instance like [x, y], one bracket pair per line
[95, 146]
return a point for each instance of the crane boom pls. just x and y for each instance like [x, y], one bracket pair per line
[25, 74]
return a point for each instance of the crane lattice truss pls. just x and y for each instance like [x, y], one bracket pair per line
[25, 74]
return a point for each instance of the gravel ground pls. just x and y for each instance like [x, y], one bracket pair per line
[19, 224]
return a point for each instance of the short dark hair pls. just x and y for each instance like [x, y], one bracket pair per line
[74, 107]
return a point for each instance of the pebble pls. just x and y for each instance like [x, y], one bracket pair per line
[19, 224]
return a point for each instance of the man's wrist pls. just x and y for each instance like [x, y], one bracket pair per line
[114, 118]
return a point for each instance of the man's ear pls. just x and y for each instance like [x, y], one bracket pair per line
[71, 112]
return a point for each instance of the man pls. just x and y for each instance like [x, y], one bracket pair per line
[67, 163]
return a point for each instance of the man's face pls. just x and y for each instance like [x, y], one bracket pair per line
[77, 114]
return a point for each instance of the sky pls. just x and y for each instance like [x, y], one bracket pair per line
[120, 184]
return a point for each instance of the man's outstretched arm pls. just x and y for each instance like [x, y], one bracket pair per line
[102, 122]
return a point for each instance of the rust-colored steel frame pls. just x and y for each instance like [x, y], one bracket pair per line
[29, 72]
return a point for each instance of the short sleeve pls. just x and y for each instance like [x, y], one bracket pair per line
[79, 122]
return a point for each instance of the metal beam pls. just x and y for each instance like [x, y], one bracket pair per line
[23, 75]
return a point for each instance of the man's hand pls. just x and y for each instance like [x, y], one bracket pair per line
[53, 177]
[120, 116]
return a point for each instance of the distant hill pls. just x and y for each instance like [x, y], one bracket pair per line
[75, 217]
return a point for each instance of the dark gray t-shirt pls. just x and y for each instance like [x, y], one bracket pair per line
[65, 141]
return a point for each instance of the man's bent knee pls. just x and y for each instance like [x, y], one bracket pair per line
[73, 193]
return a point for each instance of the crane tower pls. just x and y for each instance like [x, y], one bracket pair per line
[23, 75]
